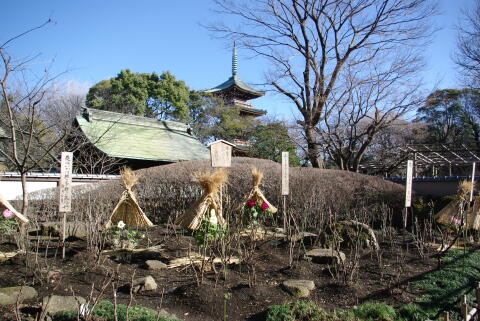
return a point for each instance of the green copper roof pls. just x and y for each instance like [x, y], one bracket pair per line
[134, 137]
[234, 81]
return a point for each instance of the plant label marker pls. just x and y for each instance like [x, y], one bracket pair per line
[408, 185]
[65, 191]
[285, 174]
[221, 153]
[285, 186]
[221, 156]
[473, 182]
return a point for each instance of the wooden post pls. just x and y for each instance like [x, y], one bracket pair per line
[477, 295]
[285, 186]
[473, 182]
[65, 192]
[221, 156]
[446, 316]
[408, 191]
[464, 307]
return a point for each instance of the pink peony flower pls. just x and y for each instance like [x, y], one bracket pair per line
[251, 203]
[264, 206]
[7, 213]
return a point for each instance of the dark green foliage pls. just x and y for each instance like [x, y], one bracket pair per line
[412, 312]
[142, 94]
[373, 311]
[309, 311]
[105, 311]
[270, 140]
[297, 311]
[208, 232]
[441, 288]
[216, 121]
[452, 116]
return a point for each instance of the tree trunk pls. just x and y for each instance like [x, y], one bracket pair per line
[25, 193]
[312, 146]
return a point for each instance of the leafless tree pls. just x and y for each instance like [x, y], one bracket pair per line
[37, 120]
[311, 43]
[24, 94]
[370, 102]
[467, 56]
[384, 152]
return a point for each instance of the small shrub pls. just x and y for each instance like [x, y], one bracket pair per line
[412, 312]
[280, 312]
[297, 311]
[373, 311]
[104, 310]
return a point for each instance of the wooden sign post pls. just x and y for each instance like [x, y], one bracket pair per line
[221, 156]
[285, 185]
[221, 153]
[408, 190]
[473, 182]
[65, 192]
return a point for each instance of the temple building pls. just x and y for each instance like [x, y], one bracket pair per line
[139, 142]
[236, 93]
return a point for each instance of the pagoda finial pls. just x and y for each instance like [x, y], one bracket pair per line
[234, 60]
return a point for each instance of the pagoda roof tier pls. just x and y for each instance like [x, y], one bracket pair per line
[236, 88]
[251, 111]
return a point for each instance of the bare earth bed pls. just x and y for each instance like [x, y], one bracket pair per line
[181, 293]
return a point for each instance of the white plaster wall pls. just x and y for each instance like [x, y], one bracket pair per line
[13, 189]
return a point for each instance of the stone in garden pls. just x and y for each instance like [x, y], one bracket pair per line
[155, 265]
[10, 295]
[325, 256]
[144, 284]
[299, 288]
[55, 303]
[305, 236]
[6, 255]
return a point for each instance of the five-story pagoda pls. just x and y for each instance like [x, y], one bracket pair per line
[236, 93]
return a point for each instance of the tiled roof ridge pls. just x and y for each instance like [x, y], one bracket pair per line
[123, 118]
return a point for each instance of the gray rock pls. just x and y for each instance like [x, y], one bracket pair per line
[144, 284]
[306, 236]
[10, 295]
[299, 288]
[55, 303]
[325, 256]
[155, 265]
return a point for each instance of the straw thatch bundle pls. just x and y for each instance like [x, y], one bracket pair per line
[5, 203]
[127, 208]
[210, 200]
[255, 193]
[451, 214]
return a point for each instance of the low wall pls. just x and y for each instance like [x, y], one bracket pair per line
[11, 185]
[434, 186]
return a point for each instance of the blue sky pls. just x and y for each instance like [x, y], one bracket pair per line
[94, 40]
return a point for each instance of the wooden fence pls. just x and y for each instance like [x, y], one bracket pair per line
[467, 314]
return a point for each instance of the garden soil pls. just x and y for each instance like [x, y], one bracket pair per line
[181, 291]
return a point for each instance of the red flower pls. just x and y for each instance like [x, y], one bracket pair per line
[264, 206]
[251, 203]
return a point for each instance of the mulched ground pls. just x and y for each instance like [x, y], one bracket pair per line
[181, 291]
